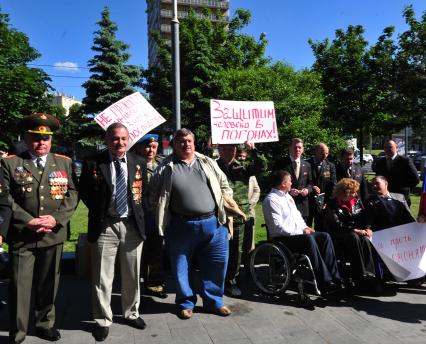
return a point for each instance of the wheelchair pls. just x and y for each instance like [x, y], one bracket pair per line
[273, 267]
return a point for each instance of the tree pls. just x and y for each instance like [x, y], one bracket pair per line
[411, 72]
[298, 99]
[353, 89]
[207, 49]
[112, 78]
[23, 90]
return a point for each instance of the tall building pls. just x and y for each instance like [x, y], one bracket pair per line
[160, 14]
[63, 100]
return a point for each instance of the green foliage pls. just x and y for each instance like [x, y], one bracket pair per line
[111, 79]
[298, 99]
[411, 73]
[206, 50]
[22, 89]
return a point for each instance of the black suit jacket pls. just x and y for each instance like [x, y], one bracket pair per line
[5, 207]
[356, 174]
[401, 177]
[96, 191]
[303, 182]
[324, 178]
[386, 212]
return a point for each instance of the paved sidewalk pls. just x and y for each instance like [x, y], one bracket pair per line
[359, 319]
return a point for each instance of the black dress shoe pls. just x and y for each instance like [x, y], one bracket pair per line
[100, 333]
[50, 334]
[12, 341]
[156, 293]
[138, 323]
[233, 291]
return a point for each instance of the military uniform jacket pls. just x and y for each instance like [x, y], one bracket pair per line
[32, 194]
[303, 182]
[5, 207]
[402, 175]
[324, 177]
[357, 174]
[96, 190]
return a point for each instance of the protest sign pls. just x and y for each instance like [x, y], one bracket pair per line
[239, 122]
[135, 113]
[402, 249]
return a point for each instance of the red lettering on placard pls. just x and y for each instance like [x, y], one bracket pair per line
[103, 119]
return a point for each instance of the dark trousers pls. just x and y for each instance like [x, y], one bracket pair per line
[37, 270]
[318, 246]
[152, 269]
[357, 250]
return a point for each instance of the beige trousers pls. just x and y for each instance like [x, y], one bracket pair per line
[122, 238]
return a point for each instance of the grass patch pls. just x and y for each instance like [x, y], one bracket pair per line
[78, 225]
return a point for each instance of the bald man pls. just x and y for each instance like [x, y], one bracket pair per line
[323, 181]
[399, 170]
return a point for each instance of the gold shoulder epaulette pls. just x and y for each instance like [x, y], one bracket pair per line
[9, 156]
[62, 156]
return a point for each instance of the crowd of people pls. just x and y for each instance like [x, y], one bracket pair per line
[199, 210]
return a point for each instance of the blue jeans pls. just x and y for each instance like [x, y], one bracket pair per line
[209, 241]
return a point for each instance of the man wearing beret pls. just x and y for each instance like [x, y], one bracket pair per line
[43, 199]
[152, 255]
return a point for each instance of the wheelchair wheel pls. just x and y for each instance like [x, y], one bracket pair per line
[270, 268]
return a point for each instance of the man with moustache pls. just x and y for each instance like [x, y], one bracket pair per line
[188, 193]
[111, 186]
[43, 197]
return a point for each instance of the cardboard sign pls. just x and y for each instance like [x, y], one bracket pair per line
[135, 113]
[239, 122]
[402, 249]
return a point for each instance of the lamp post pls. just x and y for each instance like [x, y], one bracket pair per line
[176, 67]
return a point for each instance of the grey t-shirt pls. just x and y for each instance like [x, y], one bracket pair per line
[191, 194]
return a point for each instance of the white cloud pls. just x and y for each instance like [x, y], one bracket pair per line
[71, 67]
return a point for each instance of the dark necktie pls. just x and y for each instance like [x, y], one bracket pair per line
[120, 189]
[39, 165]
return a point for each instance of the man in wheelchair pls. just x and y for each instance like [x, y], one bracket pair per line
[285, 224]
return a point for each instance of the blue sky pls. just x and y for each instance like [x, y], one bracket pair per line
[62, 31]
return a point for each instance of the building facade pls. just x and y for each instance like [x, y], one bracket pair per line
[160, 14]
[65, 101]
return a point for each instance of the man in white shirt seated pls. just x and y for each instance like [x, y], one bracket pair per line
[286, 224]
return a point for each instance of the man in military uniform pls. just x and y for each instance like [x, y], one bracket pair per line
[346, 168]
[323, 181]
[238, 174]
[43, 199]
[152, 253]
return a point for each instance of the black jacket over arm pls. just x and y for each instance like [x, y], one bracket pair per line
[5, 207]
[96, 191]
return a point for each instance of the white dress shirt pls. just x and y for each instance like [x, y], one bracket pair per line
[281, 214]
[35, 157]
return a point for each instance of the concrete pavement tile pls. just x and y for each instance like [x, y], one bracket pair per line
[224, 330]
[190, 335]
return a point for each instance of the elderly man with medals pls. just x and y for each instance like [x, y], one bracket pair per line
[43, 199]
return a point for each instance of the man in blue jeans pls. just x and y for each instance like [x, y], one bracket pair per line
[187, 196]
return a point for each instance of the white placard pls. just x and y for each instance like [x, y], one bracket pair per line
[402, 248]
[242, 121]
[135, 112]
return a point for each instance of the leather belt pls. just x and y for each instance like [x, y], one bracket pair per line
[194, 217]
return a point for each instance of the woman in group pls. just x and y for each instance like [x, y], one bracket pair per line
[346, 223]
